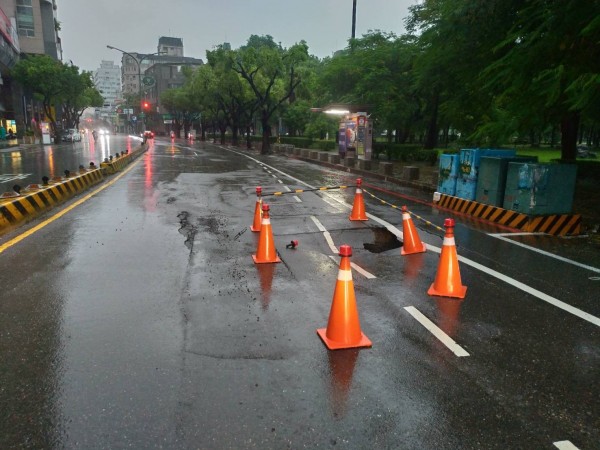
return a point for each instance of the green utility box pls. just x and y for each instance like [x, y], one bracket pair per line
[540, 189]
[492, 178]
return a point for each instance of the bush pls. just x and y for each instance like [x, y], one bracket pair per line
[298, 142]
[323, 145]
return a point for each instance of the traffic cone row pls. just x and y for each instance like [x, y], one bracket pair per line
[343, 327]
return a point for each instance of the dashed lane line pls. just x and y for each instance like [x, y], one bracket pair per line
[565, 445]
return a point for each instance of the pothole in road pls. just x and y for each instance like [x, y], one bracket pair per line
[384, 241]
[187, 229]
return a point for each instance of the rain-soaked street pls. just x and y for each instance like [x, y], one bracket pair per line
[140, 320]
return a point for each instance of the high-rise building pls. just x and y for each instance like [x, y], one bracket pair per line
[107, 79]
[37, 25]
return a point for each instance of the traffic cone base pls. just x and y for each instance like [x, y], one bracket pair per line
[416, 249]
[257, 261]
[335, 345]
[458, 292]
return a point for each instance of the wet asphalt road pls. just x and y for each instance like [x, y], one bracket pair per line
[139, 320]
[27, 164]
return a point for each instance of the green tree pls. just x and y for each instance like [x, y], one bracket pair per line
[272, 73]
[56, 85]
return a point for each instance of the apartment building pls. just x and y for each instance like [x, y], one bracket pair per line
[26, 27]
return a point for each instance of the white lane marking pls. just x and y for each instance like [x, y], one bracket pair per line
[542, 252]
[326, 235]
[528, 289]
[297, 199]
[443, 337]
[565, 445]
[511, 281]
[286, 187]
[356, 267]
[273, 175]
[279, 181]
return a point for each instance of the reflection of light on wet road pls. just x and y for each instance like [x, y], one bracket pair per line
[104, 146]
[51, 162]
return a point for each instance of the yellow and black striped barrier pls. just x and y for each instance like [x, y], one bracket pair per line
[554, 224]
[20, 208]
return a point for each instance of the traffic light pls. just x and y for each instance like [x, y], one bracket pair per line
[145, 105]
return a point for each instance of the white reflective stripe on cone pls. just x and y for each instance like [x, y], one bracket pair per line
[449, 241]
[345, 275]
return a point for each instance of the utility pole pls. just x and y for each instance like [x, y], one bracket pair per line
[353, 19]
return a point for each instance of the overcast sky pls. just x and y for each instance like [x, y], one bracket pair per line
[87, 26]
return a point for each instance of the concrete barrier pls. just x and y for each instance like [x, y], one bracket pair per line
[364, 164]
[323, 156]
[305, 153]
[334, 159]
[386, 168]
[314, 154]
[410, 173]
[349, 161]
[18, 210]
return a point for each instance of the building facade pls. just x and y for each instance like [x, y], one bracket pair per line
[107, 79]
[26, 27]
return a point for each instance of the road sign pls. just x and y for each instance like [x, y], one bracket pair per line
[148, 81]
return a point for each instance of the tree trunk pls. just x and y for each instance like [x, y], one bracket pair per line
[248, 140]
[569, 125]
[234, 136]
[266, 143]
[222, 131]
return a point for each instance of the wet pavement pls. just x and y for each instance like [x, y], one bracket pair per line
[140, 320]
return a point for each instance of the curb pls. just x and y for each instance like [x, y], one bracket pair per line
[17, 209]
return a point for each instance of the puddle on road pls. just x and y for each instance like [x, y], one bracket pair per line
[384, 241]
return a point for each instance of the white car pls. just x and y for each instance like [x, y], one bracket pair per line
[71, 135]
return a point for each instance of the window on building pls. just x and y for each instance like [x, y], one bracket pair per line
[25, 18]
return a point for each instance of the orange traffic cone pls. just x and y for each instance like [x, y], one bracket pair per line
[358, 207]
[447, 280]
[412, 242]
[257, 211]
[343, 328]
[266, 252]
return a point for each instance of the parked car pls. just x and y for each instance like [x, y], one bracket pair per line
[71, 135]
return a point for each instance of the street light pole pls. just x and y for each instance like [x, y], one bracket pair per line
[139, 67]
[353, 19]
